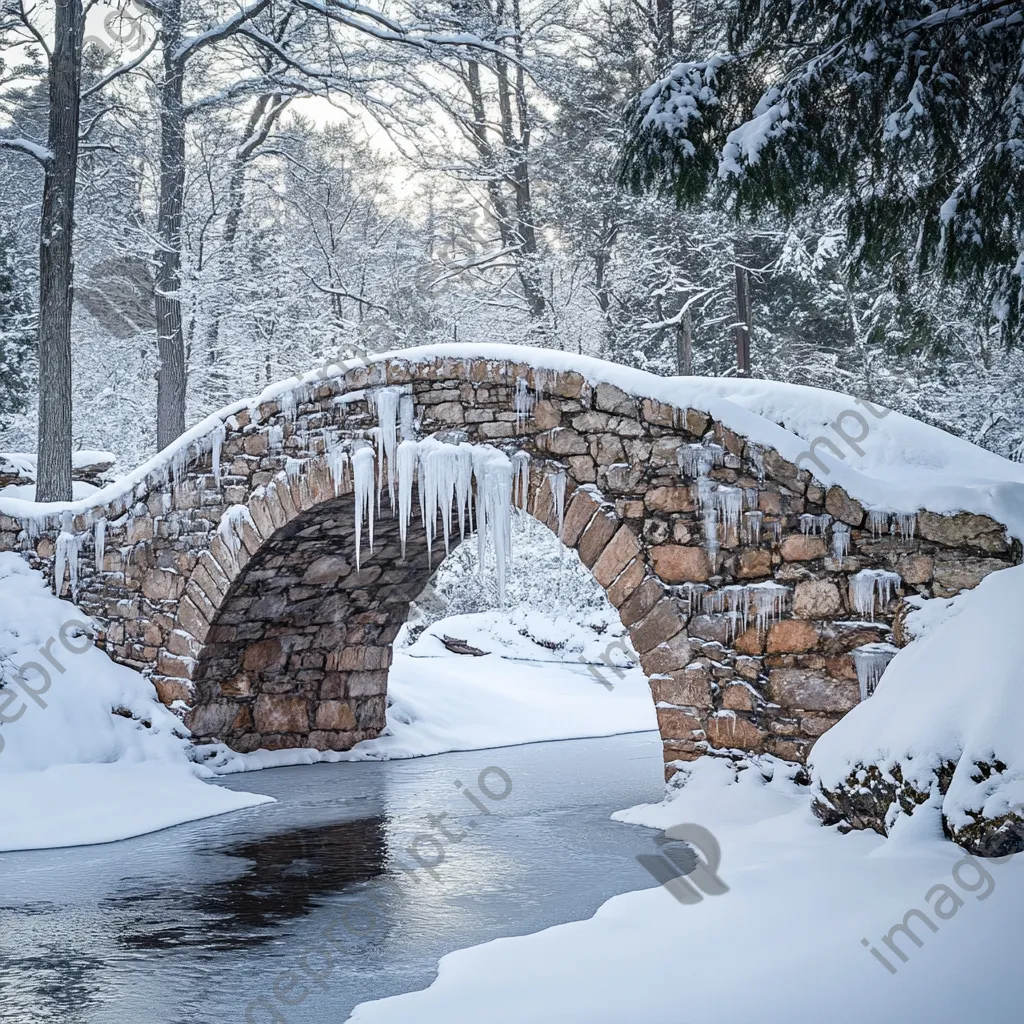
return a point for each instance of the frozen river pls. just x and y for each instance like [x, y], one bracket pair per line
[349, 888]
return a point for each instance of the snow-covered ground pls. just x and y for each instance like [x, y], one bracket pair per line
[783, 945]
[72, 771]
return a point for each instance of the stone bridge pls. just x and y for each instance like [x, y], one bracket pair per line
[761, 604]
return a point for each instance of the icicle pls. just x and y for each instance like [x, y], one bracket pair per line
[494, 501]
[710, 518]
[65, 556]
[729, 501]
[464, 487]
[556, 482]
[524, 402]
[756, 458]
[289, 403]
[814, 525]
[100, 540]
[178, 460]
[386, 402]
[406, 457]
[230, 526]
[695, 460]
[407, 416]
[869, 584]
[521, 479]
[840, 540]
[337, 460]
[774, 527]
[753, 522]
[879, 523]
[703, 493]
[275, 437]
[540, 380]
[769, 602]
[751, 498]
[292, 467]
[871, 661]
[362, 480]
[906, 523]
[217, 436]
[692, 593]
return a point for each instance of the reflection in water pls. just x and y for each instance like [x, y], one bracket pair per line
[286, 876]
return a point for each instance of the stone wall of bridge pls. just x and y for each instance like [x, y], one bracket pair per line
[231, 580]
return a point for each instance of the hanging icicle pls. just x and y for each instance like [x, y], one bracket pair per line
[217, 436]
[752, 521]
[556, 483]
[521, 479]
[99, 540]
[275, 437]
[906, 523]
[385, 402]
[337, 460]
[870, 585]
[692, 594]
[840, 540]
[362, 481]
[406, 458]
[523, 402]
[769, 602]
[879, 523]
[751, 498]
[870, 661]
[814, 526]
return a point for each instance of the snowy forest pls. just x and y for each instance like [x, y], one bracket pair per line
[260, 187]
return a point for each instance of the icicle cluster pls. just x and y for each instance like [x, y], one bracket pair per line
[870, 661]
[444, 474]
[65, 558]
[878, 523]
[524, 401]
[870, 584]
[840, 540]
[767, 600]
[217, 436]
[691, 593]
[697, 460]
[906, 523]
[752, 521]
[815, 526]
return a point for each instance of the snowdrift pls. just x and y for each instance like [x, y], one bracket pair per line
[941, 737]
[87, 752]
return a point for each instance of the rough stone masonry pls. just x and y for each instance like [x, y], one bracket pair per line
[264, 630]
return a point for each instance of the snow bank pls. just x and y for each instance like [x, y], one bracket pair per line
[953, 696]
[783, 944]
[899, 465]
[520, 692]
[94, 756]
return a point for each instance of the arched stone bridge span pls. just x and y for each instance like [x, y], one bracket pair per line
[760, 603]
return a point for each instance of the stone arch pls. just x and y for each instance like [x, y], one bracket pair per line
[283, 642]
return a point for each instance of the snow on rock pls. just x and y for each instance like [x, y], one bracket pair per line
[94, 756]
[942, 732]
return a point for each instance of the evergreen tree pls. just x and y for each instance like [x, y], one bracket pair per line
[909, 114]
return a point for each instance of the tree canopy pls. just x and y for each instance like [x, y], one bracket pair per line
[909, 115]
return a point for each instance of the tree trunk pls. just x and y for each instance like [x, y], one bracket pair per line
[743, 322]
[56, 258]
[170, 377]
[684, 345]
[664, 28]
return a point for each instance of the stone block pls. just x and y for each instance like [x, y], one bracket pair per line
[690, 687]
[792, 636]
[677, 563]
[675, 723]
[669, 499]
[964, 530]
[662, 623]
[804, 690]
[621, 549]
[334, 715]
[277, 713]
[733, 731]
[595, 538]
[753, 563]
[798, 547]
[844, 508]
[817, 599]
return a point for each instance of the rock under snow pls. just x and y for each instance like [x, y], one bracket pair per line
[941, 735]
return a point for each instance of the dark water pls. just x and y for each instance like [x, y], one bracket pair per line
[297, 911]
